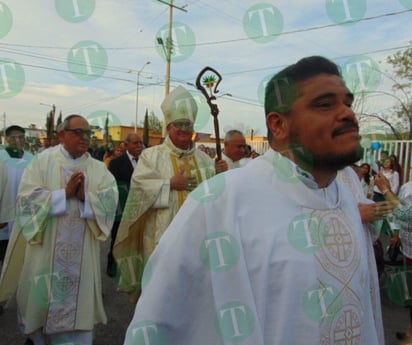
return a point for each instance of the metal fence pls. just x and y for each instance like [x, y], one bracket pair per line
[402, 149]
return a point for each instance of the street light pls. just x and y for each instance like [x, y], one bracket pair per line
[137, 91]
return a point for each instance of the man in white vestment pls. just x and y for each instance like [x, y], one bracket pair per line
[235, 148]
[15, 159]
[65, 208]
[273, 253]
[161, 181]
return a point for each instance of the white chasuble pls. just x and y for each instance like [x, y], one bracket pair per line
[53, 257]
[151, 205]
[271, 262]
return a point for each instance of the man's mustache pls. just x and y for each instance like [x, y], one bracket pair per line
[342, 129]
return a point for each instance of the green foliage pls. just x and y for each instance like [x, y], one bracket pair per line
[154, 123]
[401, 62]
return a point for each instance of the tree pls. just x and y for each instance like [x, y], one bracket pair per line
[399, 118]
[401, 63]
[146, 130]
[154, 123]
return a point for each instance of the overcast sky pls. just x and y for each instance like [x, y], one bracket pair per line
[77, 54]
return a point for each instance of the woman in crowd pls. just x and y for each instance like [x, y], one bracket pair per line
[402, 212]
[366, 180]
[392, 176]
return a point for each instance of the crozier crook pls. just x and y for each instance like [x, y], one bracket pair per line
[207, 82]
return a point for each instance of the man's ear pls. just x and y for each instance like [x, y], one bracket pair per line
[278, 126]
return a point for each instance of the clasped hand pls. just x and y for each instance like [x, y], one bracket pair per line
[75, 186]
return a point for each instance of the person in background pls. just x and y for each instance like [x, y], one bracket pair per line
[366, 180]
[115, 152]
[273, 253]
[402, 213]
[122, 168]
[393, 178]
[235, 148]
[95, 150]
[164, 176]
[15, 158]
[397, 167]
[65, 208]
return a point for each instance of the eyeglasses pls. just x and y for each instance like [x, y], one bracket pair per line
[80, 132]
[183, 124]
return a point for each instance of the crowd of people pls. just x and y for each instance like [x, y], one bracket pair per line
[274, 250]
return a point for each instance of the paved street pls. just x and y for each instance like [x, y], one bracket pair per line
[120, 312]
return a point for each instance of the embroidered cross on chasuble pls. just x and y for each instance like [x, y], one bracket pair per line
[67, 260]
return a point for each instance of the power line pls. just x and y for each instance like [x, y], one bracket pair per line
[319, 27]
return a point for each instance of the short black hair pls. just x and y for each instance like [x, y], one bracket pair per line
[14, 128]
[281, 90]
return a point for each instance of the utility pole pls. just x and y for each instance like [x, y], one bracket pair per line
[138, 73]
[168, 48]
